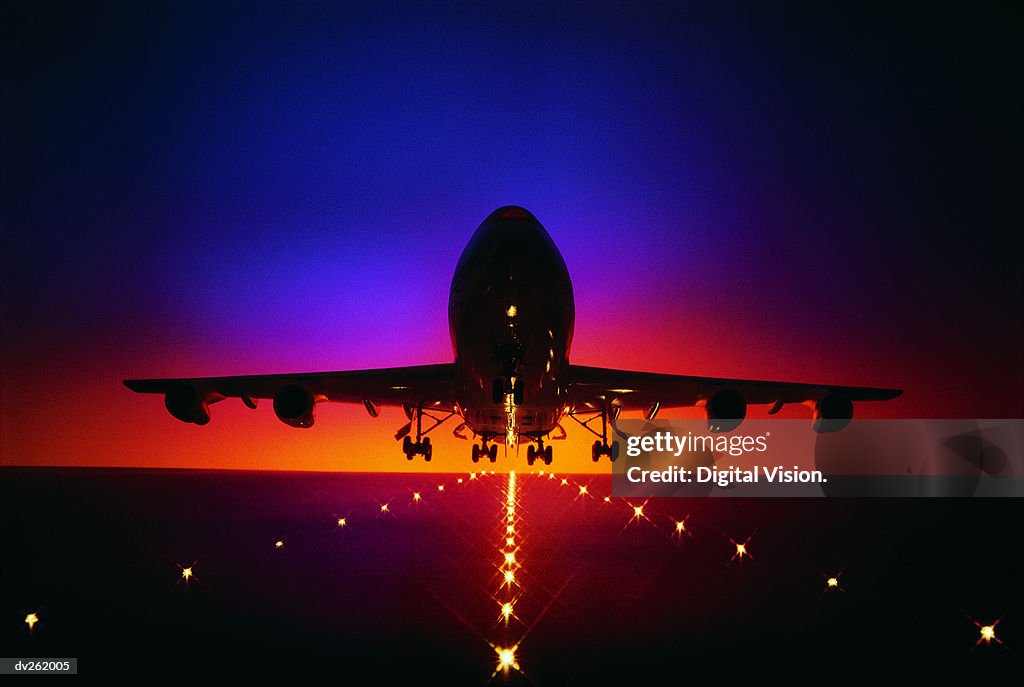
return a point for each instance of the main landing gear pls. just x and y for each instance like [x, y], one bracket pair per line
[421, 444]
[482, 450]
[422, 447]
[541, 452]
[601, 447]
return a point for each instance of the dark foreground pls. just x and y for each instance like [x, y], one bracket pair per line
[414, 594]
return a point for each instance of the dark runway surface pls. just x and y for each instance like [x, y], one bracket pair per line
[415, 594]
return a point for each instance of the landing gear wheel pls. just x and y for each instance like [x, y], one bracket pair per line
[531, 455]
[547, 455]
[517, 392]
[595, 451]
[476, 453]
[614, 454]
[498, 391]
[428, 452]
[492, 452]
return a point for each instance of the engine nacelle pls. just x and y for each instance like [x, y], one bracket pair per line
[832, 413]
[294, 405]
[185, 402]
[725, 410]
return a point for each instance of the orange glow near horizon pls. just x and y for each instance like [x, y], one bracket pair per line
[113, 427]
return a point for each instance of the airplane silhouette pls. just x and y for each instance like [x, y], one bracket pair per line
[511, 315]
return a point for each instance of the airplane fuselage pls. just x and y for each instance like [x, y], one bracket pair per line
[511, 314]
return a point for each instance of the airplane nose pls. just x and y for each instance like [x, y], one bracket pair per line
[513, 212]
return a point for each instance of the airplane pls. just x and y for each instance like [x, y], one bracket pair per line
[511, 315]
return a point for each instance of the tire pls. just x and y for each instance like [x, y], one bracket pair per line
[498, 391]
[614, 453]
[548, 454]
[407, 445]
[475, 453]
[428, 453]
[517, 393]
[595, 451]
[492, 452]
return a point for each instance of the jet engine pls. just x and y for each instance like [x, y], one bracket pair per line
[295, 406]
[725, 410]
[189, 404]
[832, 413]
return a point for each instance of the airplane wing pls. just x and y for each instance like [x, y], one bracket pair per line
[594, 388]
[295, 395]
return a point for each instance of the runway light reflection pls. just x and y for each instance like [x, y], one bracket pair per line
[31, 619]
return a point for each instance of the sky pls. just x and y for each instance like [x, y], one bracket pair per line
[825, 195]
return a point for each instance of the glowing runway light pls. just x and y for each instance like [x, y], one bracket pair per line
[342, 522]
[31, 619]
[551, 475]
[510, 577]
[279, 544]
[440, 487]
[638, 511]
[564, 481]
[680, 526]
[510, 529]
[607, 499]
[510, 558]
[416, 496]
[459, 480]
[507, 658]
[833, 583]
[506, 611]
[509, 541]
[383, 508]
[583, 490]
[472, 475]
[186, 574]
[987, 633]
[741, 550]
